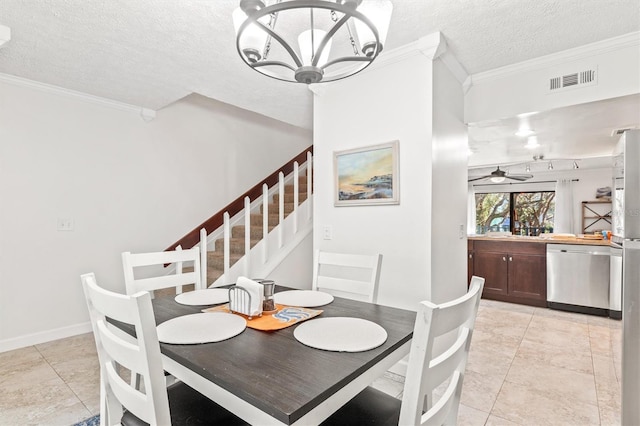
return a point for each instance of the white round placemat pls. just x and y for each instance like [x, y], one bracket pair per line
[201, 328]
[208, 296]
[340, 334]
[303, 298]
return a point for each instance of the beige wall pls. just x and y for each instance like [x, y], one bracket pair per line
[127, 185]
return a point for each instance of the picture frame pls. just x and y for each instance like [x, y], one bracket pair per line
[367, 175]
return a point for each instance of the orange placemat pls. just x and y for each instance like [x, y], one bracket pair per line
[285, 316]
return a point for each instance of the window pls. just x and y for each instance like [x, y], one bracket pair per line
[522, 213]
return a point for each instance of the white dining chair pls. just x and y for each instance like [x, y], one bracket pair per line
[146, 272]
[426, 370]
[122, 403]
[353, 276]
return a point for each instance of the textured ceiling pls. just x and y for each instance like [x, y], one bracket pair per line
[151, 53]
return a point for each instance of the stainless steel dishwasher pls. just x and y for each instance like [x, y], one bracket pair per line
[578, 278]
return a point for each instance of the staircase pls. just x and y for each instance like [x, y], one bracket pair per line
[277, 215]
[215, 258]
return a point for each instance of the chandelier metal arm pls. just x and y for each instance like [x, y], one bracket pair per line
[271, 63]
[327, 37]
[273, 34]
[348, 59]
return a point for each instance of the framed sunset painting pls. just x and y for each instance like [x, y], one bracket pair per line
[367, 176]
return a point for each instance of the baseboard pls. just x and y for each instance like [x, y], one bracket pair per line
[44, 336]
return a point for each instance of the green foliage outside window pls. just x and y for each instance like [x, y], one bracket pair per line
[524, 213]
[492, 212]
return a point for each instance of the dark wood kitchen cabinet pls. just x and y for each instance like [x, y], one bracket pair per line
[514, 271]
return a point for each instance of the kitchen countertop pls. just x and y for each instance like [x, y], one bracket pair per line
[542, 239]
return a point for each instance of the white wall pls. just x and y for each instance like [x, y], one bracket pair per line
[127, 185]
[523, 87]
[584, 189]
[392, 101]
[449, 188]
[296, 270]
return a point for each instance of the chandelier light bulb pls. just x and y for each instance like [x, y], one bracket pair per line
[309, 42]
[378, 13]
[253, 38]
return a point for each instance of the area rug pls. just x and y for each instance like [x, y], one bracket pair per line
[91, 421]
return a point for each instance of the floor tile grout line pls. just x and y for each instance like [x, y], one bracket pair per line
[63, 380]
[504, 380]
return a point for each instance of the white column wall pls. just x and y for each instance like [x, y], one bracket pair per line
[449, 200]
[391, 102]
[128, 185]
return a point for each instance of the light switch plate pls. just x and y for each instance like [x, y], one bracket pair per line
[327, 232]
[65, 224]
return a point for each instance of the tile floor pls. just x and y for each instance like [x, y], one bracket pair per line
[527, 366]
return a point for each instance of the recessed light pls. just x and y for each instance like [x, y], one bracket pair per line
[524, 132]
[532, 142]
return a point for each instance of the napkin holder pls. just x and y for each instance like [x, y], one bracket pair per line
[244, 301]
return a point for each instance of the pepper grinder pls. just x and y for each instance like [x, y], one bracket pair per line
[268, 304]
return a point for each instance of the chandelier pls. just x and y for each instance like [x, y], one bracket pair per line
[335, 38]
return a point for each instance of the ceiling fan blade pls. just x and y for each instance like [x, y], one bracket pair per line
[478, 178]
[519, 177]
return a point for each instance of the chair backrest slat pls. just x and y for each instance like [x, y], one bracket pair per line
[132, 261]
[140, 355]
[441, 413]
[353, 276]
[426, 371]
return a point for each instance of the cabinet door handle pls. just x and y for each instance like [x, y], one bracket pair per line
[510, 259]
[504, 259]
[470, 256]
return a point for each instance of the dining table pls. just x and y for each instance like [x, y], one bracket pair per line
[271, 378]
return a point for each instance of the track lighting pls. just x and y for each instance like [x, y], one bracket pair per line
[575, 165]
[550, 165]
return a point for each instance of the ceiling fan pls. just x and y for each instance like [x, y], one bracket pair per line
[498, 176]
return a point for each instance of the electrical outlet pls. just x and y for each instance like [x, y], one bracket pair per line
[461, 231]
[327, 232]
[65, 224]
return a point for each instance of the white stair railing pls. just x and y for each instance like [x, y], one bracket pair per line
[260, 260]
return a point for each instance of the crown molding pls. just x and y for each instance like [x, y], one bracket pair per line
[433, 46]
[554, 59]
[145, 113]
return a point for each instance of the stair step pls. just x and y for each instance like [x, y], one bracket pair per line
[213, 274]
[302, 187]
[256, 232]
[274, 208]
[215, 259]
[256, 219]
[288, 197]
[236, 245]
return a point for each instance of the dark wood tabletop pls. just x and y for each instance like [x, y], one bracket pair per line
[272, 370]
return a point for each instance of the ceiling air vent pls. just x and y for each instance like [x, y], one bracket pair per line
[574, 79]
